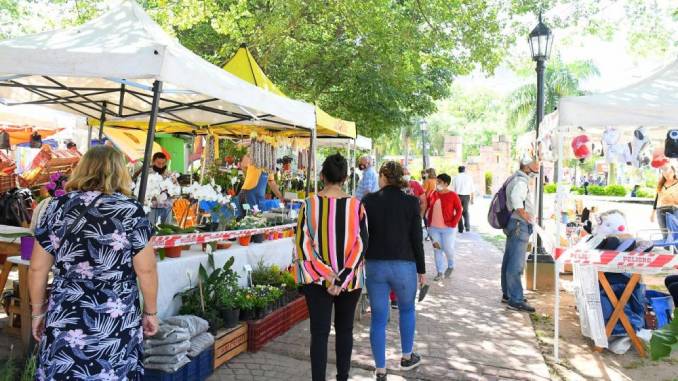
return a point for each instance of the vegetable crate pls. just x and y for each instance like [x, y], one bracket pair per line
[266, 329]
[297, 311]
[229, 343]
[197, 370]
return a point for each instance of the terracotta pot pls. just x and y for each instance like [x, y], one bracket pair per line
[224, 245]
[173, 252]
[244, 241]
[186, 247]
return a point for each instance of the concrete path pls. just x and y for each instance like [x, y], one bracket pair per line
[463, 332]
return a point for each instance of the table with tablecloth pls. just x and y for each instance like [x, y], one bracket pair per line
[179, 274]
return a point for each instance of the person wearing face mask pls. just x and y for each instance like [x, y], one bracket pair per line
[160, 209]
[369, 181]
[665, 203]
[519, 199]
[443, 213]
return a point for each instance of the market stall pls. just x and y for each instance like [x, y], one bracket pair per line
[626, 121]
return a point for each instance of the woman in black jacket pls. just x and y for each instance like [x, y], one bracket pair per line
[394, 261]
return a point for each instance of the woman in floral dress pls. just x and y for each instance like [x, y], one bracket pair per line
[96, 240]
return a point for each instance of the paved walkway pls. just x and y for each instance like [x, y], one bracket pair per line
[463, 333]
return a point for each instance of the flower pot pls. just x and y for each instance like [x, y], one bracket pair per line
[246, 315]
[259, 313]
[27, 248]
[258, 238]
[244, 241]
[186, 247]
[173, 252]
[223, 245]
[231, 317]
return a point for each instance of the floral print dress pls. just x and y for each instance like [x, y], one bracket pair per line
[93, 322]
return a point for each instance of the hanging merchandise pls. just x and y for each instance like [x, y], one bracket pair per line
[671, 144]
[581, 147]
[36, 140]
[4, 140]
[641, 148]
[615, 150]
[14, 206]
[658, 158]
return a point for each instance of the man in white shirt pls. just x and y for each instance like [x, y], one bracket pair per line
[463, 186]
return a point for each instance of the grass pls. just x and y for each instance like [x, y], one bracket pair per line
[496, 240]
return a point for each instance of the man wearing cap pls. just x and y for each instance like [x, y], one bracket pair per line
[519, 200]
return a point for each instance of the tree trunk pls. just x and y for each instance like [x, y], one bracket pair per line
[407, 151]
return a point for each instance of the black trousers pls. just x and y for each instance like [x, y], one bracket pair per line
[671, 283]
[320, 304]
[464, 223]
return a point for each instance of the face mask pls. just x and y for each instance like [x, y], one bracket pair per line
[361, 167]
[159, 170]
[440, 188]
[407, 177]
[533, 175]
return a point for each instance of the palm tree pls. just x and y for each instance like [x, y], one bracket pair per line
[560, 80]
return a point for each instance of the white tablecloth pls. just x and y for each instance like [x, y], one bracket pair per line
[174, 273]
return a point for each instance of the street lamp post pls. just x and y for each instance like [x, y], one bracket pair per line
[423, 127]
[541, 40]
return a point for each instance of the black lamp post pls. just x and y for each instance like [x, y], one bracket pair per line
[541, 40]
[423, 127]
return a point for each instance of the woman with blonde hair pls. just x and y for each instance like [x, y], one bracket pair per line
[96, 241]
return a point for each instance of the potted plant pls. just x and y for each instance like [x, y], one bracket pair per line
[247, 223]
[167, 229]
[291, 290]
[245, 303]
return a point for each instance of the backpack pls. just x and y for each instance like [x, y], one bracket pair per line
[498, 216]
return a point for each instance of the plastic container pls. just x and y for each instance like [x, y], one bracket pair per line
[199, 369]
[27, 248]
[662, 304]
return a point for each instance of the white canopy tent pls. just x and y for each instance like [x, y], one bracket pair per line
[122, 65]
[651, 103]
[352, 145]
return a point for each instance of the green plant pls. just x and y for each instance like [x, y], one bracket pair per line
[29, 369]
[577, 190]
[244, 299]
[268, 275]
[289, 281]
[665, 340]
[488, 183]
[550, 188]
[9, 371]
[214, 292]
[596, 190]
[645, 193]
[615, 190]
[251, 222]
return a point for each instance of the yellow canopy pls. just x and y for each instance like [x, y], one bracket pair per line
[131, 142]
[246, 68]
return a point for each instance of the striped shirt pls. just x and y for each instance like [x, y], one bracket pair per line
[331, 238]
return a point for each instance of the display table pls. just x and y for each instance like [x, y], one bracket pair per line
[24, 305]
[590, 267]
[179, 274]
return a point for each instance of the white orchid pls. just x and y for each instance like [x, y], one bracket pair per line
[207, 192]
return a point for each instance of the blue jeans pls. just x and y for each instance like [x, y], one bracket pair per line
[517, 236]
[382, 276]
[445, 255]
[162, 213]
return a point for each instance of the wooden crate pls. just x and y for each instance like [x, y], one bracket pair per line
[229, 343]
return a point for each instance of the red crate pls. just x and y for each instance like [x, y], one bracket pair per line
[260, 332]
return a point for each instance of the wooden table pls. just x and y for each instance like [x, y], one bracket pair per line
[7, 250]
[24, 305]
[618, 314]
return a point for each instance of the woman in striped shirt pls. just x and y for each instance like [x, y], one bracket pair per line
[330, 248]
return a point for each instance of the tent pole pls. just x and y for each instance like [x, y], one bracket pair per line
[308, 167]
[559, 211]
[102, 121]
[314, 142]
[89, 136]
[150, 137]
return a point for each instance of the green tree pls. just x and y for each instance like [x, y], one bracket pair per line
[560, 79]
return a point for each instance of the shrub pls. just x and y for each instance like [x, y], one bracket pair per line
[488, 182]
[577, 190]
[550, 188]
[645, 193]
[615, 190]
[596, 190]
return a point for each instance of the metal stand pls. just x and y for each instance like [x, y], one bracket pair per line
[150, 137]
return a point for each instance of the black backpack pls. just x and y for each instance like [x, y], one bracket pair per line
[671, 144]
